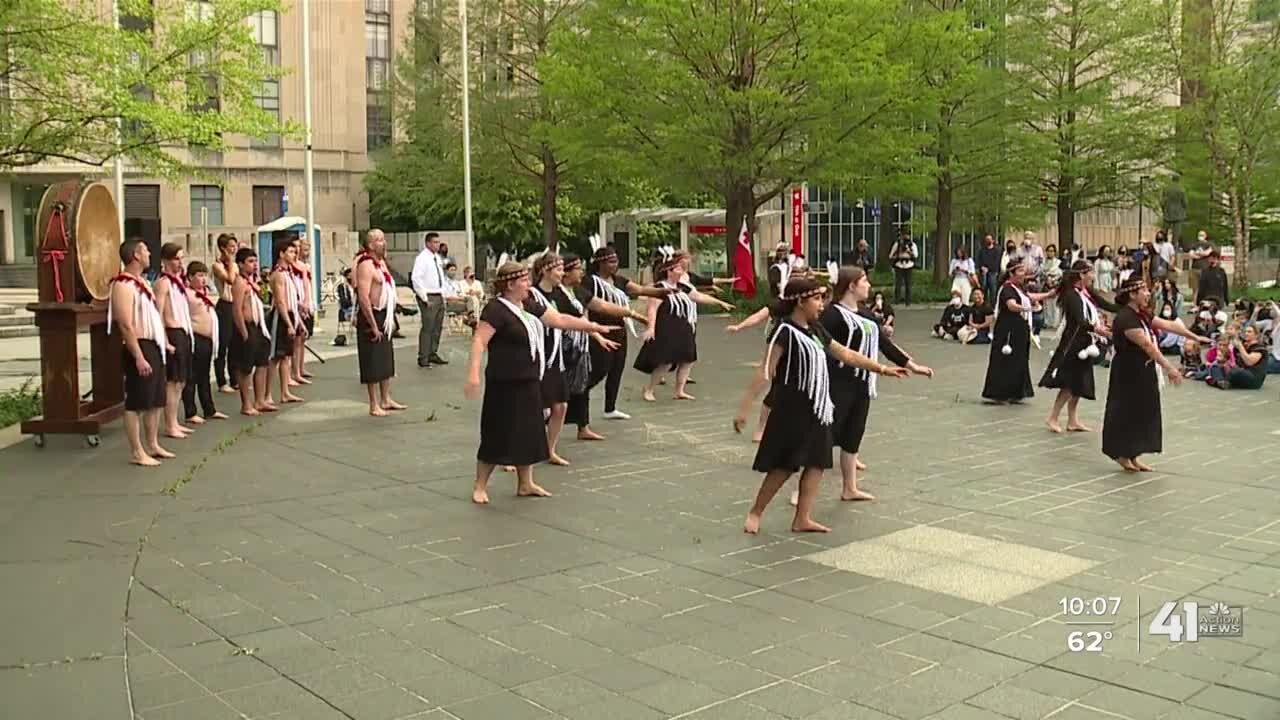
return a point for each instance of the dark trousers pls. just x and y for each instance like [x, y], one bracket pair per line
[1235, 377]
[902, 281]
[198, 382]
[220, 365]
[432, 314]
[608, 366]
[989, 287]
[579, 410]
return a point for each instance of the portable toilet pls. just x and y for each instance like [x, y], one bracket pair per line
[297, 225]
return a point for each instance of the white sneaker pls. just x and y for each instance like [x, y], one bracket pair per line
[616, 415]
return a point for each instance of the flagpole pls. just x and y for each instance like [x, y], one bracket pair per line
[466, 136]
[308, 178]
[119, 161]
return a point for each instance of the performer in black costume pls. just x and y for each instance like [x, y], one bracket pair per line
[852, 388]
[1070, 370]
[671, 337]
[797, 436]
[574, 299]
[511, 426]
[548, 268]
[1133, 423]
[1008, 370]
[607, 286]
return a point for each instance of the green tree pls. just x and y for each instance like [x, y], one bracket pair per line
[1088, 92]
[738, 98]
[71, 76]
[1230, 77]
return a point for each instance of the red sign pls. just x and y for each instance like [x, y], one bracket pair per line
[706, 229]
[797, 218]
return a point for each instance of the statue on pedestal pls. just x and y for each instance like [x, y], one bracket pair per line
[1174, 208]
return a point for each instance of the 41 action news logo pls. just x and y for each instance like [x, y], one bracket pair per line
[1216, 620]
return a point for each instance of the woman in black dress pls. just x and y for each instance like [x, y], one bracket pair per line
[511, 329]
[548, 269]
[572, 298]
[1133, 425]
[1008, 370]
[797, 436]
[1070, 369]
[607, 286]
[847, 320]
[671, 338]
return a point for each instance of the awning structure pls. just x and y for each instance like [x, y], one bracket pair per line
[695, 220]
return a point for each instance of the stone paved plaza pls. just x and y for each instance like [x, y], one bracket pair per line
[321, 565]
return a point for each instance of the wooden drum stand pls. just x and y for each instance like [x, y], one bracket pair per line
[79, 236]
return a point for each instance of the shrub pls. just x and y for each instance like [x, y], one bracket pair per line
[19, 404]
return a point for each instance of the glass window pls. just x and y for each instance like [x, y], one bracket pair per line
[377, 122]
[199, 10]
[375, 75]
[264, 27]
[268, 98]
[210, 198]
[377, 36]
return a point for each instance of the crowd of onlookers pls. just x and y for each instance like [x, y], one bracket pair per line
[1245, 347]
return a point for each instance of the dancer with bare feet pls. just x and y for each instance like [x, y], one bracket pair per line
[852, 388]
[224, 276]
[171, 297]
[132, 309]
[301, 276]
[574, 300]
[671, 338]
[548, 270]
[1070, 369]
[250, 344]
[1133, 423]
[375, 323]
[286, 330]
[511, 426]
[204, 325]
[797, 436]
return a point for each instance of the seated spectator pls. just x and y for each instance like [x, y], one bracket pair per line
[1206, 323]
[883, 312]
[346, 307]
[1263, 317]
[978, 330]
[954, 317]
[1193, 366]
[1250, 369]
[1220, 359]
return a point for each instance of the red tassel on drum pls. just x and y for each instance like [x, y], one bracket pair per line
[55, 256]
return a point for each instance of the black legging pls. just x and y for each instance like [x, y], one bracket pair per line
[199, 378]
[223, 310]
[579, 410]
[608, 366]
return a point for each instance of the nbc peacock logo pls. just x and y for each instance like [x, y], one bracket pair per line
[1218, 610]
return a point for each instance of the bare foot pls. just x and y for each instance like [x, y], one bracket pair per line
[291, 398]
[809, 526]
[1078, 427]
[227, 390]
[195, 420]
[160, 452]
[738, 424]
[268, 407]
[175, 434]
[532, 490]
[218, 416]
[508, 468]
[307, 375]
[752, 525]
[144, 460]
[393, 405]
[293, 383]
[684, 396]
[1127, 464]
[860, 465]
[555, 459]
[250, 411]
[1142, 467]
[378, 412]
[303, 381]
[795, 498]
[589, 434]
[856, 495]
[648, 395]
[480, 497]
[1053, 426]
[757, 436]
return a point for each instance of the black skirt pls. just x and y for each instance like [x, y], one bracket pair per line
[1067, 371]
[1009, 376]
[377, 360]
[674, 343]
[246, 354]
[554, 390]
[144, 393]
[512, 431]
[177, 364]
[1133, 424]
[793, 438]
[281, 342]
[852, 405]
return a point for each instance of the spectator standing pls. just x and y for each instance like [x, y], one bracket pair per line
[1213, 279]
[1104, 270]
[430, 286]
[1031, 254]
[990, 264]
[963, 274]
[1199, 260]
[903, 255]
[1168, 253]
[862, 257]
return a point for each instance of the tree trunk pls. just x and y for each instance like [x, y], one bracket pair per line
[942, 223]
[1066, 217]
[1240, 236]
[550, 190]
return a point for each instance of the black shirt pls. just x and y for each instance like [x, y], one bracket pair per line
[989, 257]
[1259, 369]
[509, 355]
[955, 316]
[1213, 284]
[979, 313]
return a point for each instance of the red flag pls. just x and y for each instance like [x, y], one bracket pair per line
[743, 267]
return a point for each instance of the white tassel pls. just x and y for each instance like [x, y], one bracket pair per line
[682, 306]
[814, 379]
[870, 345]
[556, 357]
[533, 328]
[611, 293]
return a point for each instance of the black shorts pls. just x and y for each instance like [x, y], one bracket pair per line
[177, 364]
[249, 353]
[144, 393]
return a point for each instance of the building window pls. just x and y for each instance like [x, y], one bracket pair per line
[208, 197]
[377, 51]
[838, 221]
[264, 25]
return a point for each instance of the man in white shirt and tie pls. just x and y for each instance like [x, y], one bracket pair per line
[432, 290]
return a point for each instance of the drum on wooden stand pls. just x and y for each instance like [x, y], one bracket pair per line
[79, 235]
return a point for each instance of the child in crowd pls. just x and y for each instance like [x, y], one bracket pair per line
[1220, 358]
[1193, 366]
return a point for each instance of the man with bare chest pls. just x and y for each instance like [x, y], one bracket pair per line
[208, 341]
[375, 323]
[250, 346]
[171, 297]
[132, 309]
[225, 271]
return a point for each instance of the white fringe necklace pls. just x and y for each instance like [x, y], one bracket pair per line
[812, 376]
[556, 358]
[870, 345]
[532, 328]
[682, 306]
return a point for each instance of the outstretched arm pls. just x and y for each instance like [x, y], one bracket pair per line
[1177, 328]
[553, 318]
[704, 299]
[618, 311]
[635, 290]
[752, 320]
[853, 358]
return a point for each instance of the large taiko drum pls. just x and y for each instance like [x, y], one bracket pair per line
[79, 242]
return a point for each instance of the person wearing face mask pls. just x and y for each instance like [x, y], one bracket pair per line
[955, 316]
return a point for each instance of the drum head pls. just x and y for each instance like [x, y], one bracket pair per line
[97, 238]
